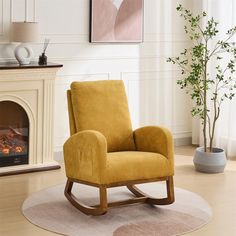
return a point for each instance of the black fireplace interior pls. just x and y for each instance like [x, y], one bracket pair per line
[14, 134]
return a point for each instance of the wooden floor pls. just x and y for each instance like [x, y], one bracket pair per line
[218, 189]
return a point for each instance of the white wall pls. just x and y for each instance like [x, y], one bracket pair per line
[154, 97]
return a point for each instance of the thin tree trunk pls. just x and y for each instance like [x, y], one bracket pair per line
[205, 104]
[209, 127]
[205, 99]
[205, 119]
[216, 116]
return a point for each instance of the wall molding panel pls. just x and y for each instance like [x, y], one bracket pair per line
[154, 98]
[4, 20]
[1, 17]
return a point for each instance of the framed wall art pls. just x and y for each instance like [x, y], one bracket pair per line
[116, 21]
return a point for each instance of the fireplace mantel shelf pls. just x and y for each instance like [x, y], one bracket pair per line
[34, 65]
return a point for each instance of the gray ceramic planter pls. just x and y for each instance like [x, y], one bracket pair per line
[209, 162]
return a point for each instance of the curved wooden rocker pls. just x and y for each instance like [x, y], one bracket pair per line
[88, 210]
[102, 208]
[156, 201]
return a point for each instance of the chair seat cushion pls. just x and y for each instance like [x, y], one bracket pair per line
[135, 165]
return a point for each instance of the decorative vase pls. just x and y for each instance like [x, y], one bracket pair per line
[42, 59]
[20, 57]
[209, 162]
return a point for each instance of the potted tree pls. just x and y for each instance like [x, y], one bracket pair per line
[207, 90]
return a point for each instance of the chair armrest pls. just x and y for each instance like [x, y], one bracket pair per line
[85, 156]
[154, 139]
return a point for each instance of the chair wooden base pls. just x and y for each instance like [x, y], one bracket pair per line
[104, 205]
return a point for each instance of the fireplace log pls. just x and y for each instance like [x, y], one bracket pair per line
[18, 135]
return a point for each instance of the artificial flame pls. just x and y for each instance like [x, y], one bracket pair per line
[5, 150]
[18, 149]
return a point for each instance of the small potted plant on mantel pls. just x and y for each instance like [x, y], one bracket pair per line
[207, 90]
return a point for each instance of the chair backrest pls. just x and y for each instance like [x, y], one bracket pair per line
[102, 106]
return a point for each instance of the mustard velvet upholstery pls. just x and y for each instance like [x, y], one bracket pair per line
[99, 117]
[71, 114]
[155, 139]
[88, 160]
[85, 156]
[134, 165]
[102, 106]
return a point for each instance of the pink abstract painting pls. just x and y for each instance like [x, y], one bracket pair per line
[116, 21]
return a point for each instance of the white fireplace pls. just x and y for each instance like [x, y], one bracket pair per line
[32, 88]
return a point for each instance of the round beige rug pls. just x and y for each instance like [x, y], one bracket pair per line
[49, 209]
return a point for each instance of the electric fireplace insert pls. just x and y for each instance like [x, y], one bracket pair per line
[14, 134]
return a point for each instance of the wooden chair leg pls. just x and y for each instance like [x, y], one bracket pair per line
[99, 210]
[170, 189]
[156, 201]
[103, 199]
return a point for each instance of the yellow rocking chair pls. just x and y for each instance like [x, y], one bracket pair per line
[104, 152]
